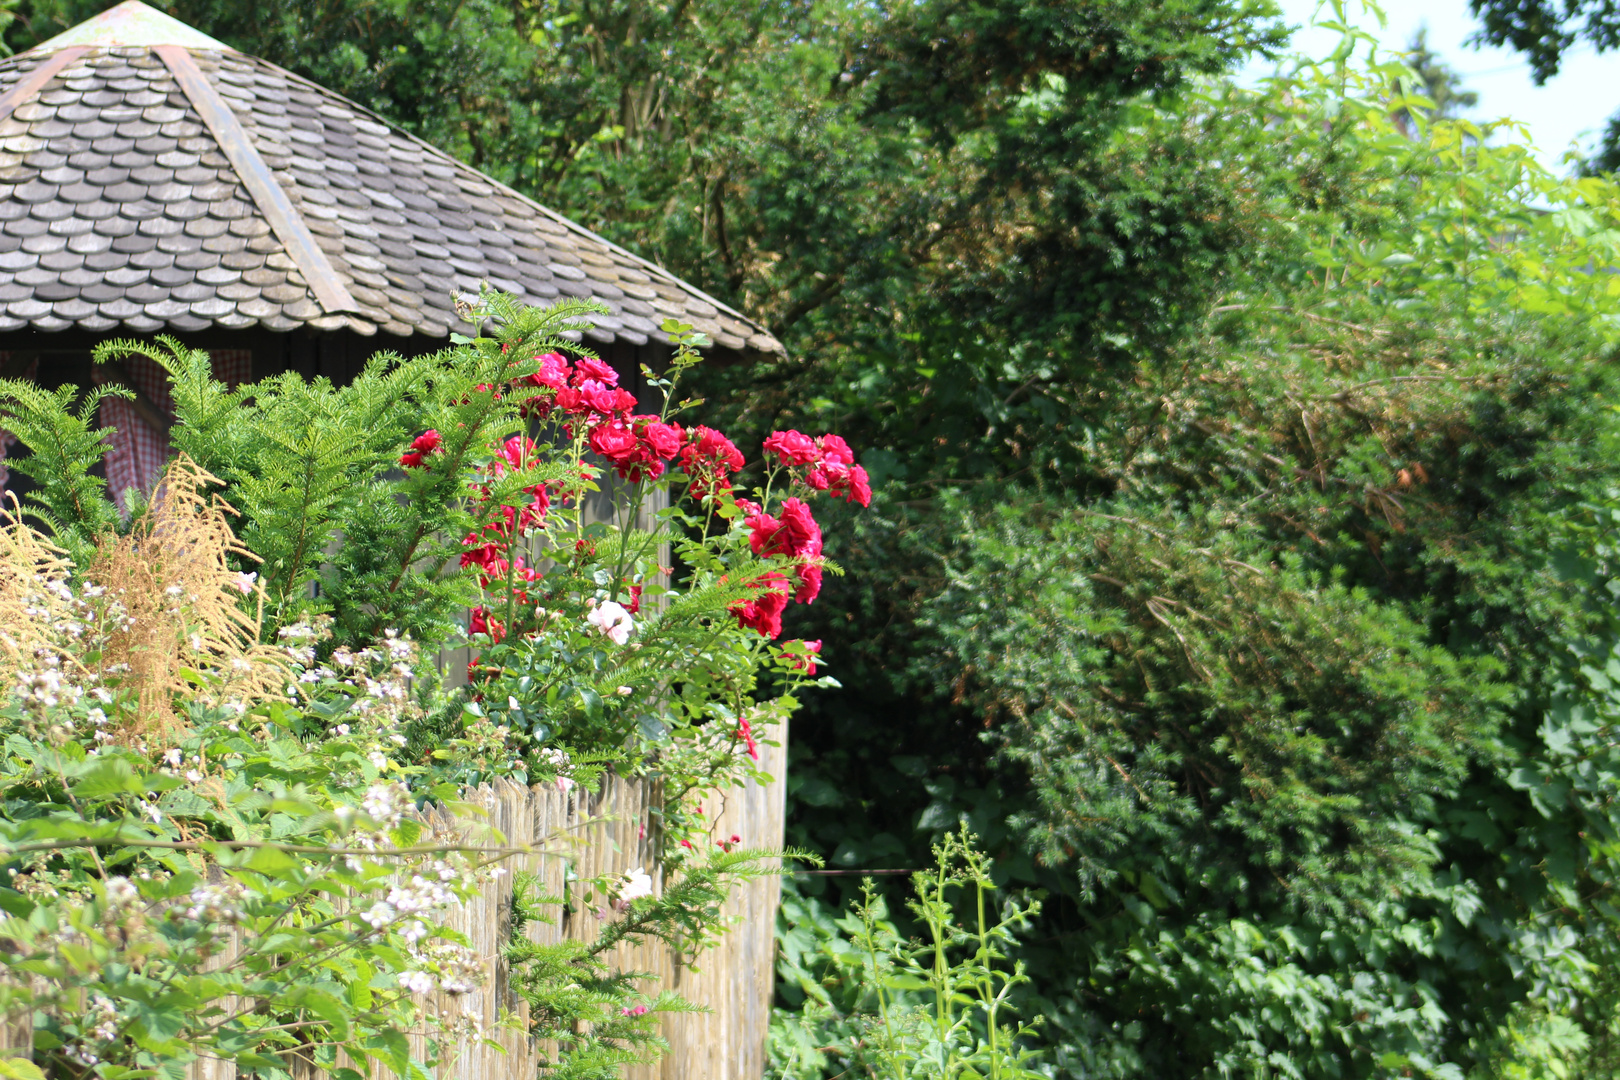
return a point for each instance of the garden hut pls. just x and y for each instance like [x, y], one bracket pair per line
[154, 180]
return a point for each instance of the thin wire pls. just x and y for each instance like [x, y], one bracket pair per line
[840, 873]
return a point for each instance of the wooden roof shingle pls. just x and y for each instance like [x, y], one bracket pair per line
[153, 179]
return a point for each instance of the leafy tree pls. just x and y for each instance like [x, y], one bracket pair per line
[1377, 435]
[1436, 79]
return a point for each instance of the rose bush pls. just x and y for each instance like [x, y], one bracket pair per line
[211, 769]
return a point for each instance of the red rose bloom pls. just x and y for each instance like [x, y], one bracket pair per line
[792, 447]
[520, 452]
[803, 534]
[764, 612]
[809, 573]
[715, 448]
[860, 488]
[570, 400]
[806, 663]
[835, 451]
[481, 623]
[615, 441]
[589, 368]
[598, 396]
[768, 537]
[553, 371]
[663, 439]
[428, 442]
[850, 482]
[709, 461]
[411, 461]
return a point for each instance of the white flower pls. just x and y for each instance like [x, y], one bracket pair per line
[417, 982]
[380, 915]
[633, 886]
[120, 891]
[244, 582]
[174, 757]
[615, 622]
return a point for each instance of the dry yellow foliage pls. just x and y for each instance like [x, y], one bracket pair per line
[156, 619]
[37, 609]
[182, 604]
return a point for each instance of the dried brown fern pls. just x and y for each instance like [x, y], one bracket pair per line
[182, 609]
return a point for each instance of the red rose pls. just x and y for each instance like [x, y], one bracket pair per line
[792, 447]
[520, 452]
[553, 371]
[591, 368]
[713, 447]
[806, 663]
[481, 623]
[615, 441]
[428, 442]
[764, 613]
[709, 461]
[768, 537]
[809, 582]
[860, 489]
[803, 534]
[411, 461]
[851, 482]
[745, 732]
[835, 450]
[663, 439]
[598, 396]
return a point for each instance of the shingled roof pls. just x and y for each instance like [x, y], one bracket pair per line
[152, 178]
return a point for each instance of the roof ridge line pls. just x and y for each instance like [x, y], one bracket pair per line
[30, 85]
[237, 146]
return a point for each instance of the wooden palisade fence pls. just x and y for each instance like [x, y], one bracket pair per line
[611, 831]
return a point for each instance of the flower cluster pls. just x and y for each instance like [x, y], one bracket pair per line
[488, 547]
[708, 460]
[217, 903]
[828, 462]
[824, 464]
[443, 966]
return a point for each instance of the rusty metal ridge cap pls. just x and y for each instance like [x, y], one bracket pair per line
[33, 82]
[267, 194]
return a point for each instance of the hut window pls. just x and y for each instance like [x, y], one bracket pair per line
[139, 446]
[30, 371]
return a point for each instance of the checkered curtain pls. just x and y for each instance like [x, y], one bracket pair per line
[7, 439]
[137, 451]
